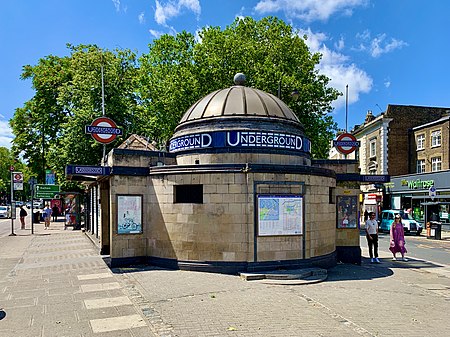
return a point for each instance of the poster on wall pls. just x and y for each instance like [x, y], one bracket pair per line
[280, 215]
[347, 213]
[129, 214]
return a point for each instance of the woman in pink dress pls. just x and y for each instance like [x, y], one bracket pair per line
[397, 244]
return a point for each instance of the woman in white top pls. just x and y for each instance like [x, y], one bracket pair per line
[372, 237]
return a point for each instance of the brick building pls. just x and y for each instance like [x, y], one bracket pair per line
[386, 146]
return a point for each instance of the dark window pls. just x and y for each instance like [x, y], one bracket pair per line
[332, 195]
[188, 194]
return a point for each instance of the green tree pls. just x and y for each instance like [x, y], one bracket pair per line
[7, 159]
[49, 128]
[179, 70]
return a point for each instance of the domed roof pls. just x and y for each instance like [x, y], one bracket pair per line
[238, 101]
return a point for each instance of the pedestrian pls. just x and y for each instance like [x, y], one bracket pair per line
[23, 213]
[366, 215]
[47, 214]
[372, 237]
[397, 236]
[55, 213]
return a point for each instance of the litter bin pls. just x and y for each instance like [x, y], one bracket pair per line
[36, 217]
[435, 230]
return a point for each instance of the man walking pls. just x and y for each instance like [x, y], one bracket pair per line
[372, 237]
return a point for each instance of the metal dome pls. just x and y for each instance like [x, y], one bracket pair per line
[238, 102]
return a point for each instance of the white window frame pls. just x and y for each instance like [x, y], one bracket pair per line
[373, 147]
[436, 138]
[436, 164]
[420, 166]
[420, 142]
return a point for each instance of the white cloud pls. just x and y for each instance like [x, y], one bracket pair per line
[116, 4]
[170, 9]
[156, 33]
[141, 18]
[378, 45]
[309, 10]
[335, 66]
[6, 134]
[387, 82]
[340, 44]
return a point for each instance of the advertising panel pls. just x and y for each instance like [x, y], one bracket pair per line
[129, 214]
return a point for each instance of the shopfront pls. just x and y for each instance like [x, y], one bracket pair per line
[422, 195]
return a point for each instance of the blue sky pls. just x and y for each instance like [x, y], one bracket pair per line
[387, 51]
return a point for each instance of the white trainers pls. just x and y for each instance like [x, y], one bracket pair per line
[404, 259]
[376, 260]
[394, 259]
[372, 260]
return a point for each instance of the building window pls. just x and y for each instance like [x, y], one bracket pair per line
[331, 195]
[188, 194]
[436, 164]
[373, 148]
[436, 138]
[421, 166]
[420, 142]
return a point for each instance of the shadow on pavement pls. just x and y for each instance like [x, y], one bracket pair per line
[369, 271]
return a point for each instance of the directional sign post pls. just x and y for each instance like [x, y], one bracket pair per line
[346, 143]
[46, 191]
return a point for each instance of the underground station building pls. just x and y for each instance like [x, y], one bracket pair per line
[236, 190]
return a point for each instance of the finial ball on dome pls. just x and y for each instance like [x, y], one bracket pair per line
[239, 79]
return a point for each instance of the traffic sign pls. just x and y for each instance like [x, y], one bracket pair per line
[346, 143]
[103, 129]
[432, 192]
[42, 191]
[18, 177]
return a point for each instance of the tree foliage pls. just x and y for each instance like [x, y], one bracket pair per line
[49, 128]
[149, 96]
[179, 70]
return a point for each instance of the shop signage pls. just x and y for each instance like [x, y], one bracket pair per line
[88, 170]
[103, 129]
[418, 184]
[240, 139]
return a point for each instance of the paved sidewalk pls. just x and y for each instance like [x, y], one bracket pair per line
[55, 284]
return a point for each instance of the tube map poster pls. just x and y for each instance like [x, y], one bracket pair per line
[280, 215]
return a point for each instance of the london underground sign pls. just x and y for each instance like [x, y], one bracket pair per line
[103, 129]
[346, 143]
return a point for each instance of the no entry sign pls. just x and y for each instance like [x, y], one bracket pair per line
[346, 143]
[104, 130]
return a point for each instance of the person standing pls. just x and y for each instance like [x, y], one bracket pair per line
[397, 236]
[55, 213]
[47, 215]
[23, 213]
[372, 237]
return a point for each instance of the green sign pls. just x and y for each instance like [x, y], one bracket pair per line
[45, 191]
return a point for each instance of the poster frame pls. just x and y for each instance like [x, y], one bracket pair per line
[121, 209]
[281, 196]
[352, 217]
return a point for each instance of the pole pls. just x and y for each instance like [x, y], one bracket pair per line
[103, 108]
[346, 106]
[12, 198]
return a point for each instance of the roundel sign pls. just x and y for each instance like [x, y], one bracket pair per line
[103, 129]
[346, 143]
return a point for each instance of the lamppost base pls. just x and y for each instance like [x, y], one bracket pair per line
[12, 234]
